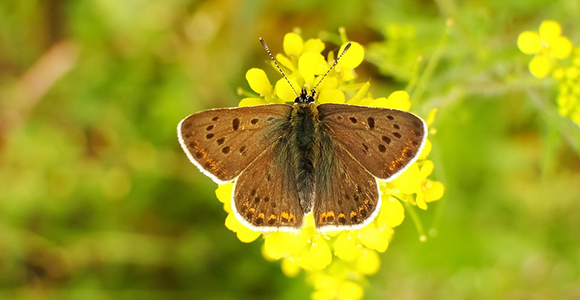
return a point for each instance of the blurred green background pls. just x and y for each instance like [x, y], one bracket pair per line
[98, 201]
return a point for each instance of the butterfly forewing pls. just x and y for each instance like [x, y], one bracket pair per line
[384, 141]
[265, 195]
[223, 142]
[347, 194]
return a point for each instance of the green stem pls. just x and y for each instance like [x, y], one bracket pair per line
[431, 66]
[416, 220]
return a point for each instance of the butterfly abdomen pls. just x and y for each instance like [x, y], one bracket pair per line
[305, 135]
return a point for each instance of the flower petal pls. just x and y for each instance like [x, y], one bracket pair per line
[375, 239]
[293, 44]
[290, 268]
[259, 82]
[352, 57]
[426, 149]
[224, 193]
[311, 64]
[345, 247]
[433, 191]
[314, 45]
[409, 182]
[350, 290]
[252, 102]
[392, 212]
[360, 94]
[284, 62]
[540, 66]
[431, 116]
[368, 263]
[529, 42]
[284, 91]
[427, 167]
[244, 234]
[562, 47]
[550, 31]
[318, 256]
[331, 96]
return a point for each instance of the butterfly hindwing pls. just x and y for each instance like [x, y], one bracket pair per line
[347, 195]
[265, 196]
[223, 142]
[384, 141]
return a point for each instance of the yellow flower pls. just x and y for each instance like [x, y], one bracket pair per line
[336, 262]
[549, 47]
[546, 45]
[568, 98]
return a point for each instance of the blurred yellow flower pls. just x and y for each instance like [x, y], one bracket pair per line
[336, 262]
[549, 47]
[546, 45]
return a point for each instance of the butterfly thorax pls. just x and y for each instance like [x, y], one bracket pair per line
[305, 150]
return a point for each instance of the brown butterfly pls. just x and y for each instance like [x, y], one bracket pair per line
[288, 161]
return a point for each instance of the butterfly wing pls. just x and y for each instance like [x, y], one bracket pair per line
[384, 141]
[223, 142]
[265, 196]
[347, 195]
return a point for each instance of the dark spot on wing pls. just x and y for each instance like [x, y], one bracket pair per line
[236, 124]
[254, 121]
[390, 117]
[225, 150]
[208, 128]
[209, 136]
[397, 135]
[353, 119]
[220, 141]
[371, 122]
[382, 148]
[386, 139]
[396, 126]
[215, 118]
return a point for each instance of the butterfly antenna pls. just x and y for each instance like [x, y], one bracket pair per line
[334, 64]
[277, 66]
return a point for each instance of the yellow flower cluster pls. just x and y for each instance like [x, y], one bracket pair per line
[547, 45]
[549, 48]
[336, 262]
[569, 88]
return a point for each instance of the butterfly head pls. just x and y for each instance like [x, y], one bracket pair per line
[304, 97]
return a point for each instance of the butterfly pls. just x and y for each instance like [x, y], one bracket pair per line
[289, 161]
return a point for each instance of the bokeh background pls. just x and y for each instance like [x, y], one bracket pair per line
[97, 200]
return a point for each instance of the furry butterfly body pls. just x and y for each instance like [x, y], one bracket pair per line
[288, 161]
